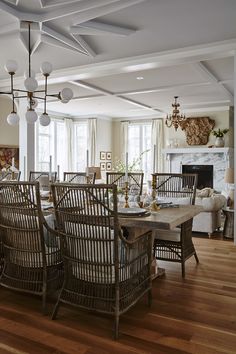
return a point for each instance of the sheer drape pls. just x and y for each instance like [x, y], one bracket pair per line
[92, 140]
[69, 143]
[157, 139]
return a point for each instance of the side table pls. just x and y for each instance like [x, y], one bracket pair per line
[229, 223]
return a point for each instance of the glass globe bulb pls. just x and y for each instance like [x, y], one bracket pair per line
[44, 119]
[13, 119]
[11, 66]
[46, 68]
[31, 84]
[32, 74]
[65, 101]
[66, 94]
[31, 116]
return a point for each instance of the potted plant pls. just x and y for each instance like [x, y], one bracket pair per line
[219, 134]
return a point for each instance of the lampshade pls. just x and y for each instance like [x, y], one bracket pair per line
[229, 175]
[97, 170]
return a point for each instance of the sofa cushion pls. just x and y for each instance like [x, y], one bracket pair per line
[213, 203]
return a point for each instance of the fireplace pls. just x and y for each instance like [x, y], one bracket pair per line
[204, 172]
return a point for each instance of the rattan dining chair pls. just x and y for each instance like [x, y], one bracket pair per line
[175, 245]
[79, 177]
[32, 255]
[135, 181]
[43, 178]
[104, 272]
[10, 175]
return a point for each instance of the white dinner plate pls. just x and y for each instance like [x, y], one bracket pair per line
[132, 211]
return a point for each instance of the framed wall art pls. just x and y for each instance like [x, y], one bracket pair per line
[108, 166]
[103, 166]
[108, 155]
[102, 155]
[7, 153]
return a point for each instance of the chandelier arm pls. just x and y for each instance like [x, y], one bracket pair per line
[21, 96]
[168, 124]
[38, 97]
[54, 95]
[18, 90]
[5, 93]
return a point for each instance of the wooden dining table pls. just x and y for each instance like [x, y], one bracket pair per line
[165, 219]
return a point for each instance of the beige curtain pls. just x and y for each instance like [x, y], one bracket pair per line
[124, 138]
[157, 140]
[69, 145]
[92, 140]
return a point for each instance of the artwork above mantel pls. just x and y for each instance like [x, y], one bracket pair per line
[197, 130]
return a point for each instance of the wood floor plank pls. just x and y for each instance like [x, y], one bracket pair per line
[196, 315]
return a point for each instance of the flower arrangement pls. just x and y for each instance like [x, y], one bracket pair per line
[133, 166]
[219, 133]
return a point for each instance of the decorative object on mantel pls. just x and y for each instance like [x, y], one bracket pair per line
[197, 130]
[30, 92]
[175, 118]
[219, 134]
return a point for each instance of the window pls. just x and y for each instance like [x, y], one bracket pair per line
[80, 145]
[52, 140]
[139, 140]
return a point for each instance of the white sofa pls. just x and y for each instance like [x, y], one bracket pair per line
[210, 219]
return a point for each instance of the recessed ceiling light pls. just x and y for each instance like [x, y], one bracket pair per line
[139, 77]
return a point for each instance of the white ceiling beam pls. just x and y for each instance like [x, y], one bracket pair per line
[49, 3]
[109, 93]
[52, 41]
[84, 45]
[206, 73]
[61, 38]
[98, 28]
[111, 7]
[13, 2]
[163, 88]
[71, 9]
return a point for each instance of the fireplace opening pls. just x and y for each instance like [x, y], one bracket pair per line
[204, 172]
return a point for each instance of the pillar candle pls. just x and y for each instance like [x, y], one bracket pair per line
[50, 167]
[58, 172]
[87, 163]
[154, 158]
[126, 166]
[13, 162]
[25, 172]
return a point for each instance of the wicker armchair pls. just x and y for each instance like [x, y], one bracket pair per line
[10, 176]
[43, 178]
[79, 177]
[32, 256]
[175, 245]
[104, 272]
[135, 181]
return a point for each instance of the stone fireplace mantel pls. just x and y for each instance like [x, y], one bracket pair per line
[220, 158]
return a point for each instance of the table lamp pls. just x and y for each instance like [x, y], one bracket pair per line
[229, 179]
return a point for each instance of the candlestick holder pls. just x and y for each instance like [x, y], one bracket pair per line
[126, 195]
[154, 186]
[50, 193]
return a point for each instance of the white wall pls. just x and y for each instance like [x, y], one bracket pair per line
[9, 135]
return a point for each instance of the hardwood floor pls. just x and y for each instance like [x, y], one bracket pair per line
[196, 315]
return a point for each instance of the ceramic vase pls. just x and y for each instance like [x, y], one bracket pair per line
[219, 142]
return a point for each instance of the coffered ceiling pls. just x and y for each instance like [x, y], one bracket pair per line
[125, 58]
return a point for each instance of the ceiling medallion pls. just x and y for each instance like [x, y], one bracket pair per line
[175, 118]
[30, 92]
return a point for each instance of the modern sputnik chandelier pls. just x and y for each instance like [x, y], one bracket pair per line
[31, 92]
[175, 118]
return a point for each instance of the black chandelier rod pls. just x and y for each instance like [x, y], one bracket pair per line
[29, 50]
